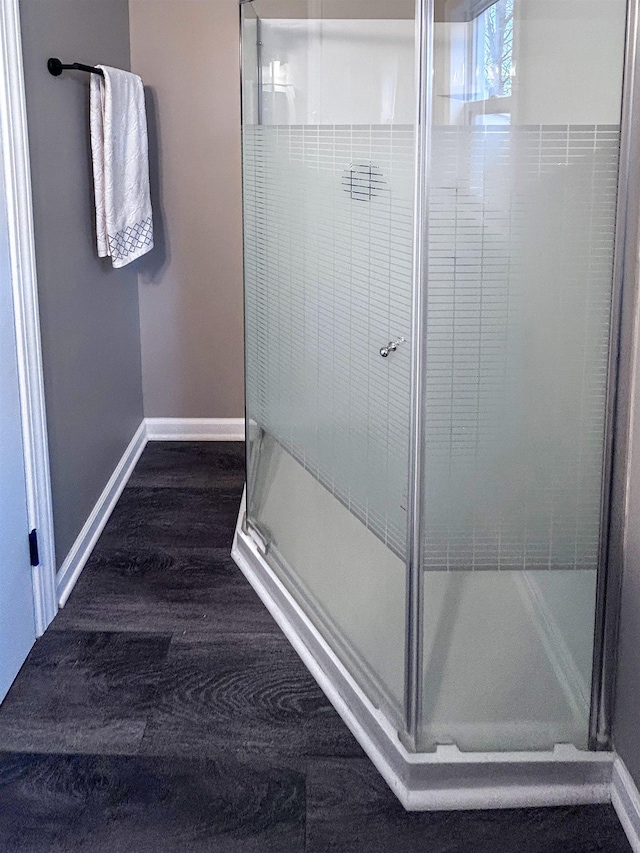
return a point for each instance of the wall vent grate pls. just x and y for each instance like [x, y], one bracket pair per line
[363, 181]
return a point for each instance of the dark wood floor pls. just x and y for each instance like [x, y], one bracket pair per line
[163, 710]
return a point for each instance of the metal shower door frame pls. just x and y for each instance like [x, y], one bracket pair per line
[619, 401]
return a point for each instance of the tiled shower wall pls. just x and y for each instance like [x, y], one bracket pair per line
[518, 301]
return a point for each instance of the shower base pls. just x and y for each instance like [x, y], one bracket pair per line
[446, 778]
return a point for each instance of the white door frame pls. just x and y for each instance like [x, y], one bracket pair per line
[17, 172]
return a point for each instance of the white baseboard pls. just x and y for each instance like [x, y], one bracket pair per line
[195, 429]
[625, 798]
[81, 549]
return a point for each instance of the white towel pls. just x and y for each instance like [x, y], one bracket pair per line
[124, 221]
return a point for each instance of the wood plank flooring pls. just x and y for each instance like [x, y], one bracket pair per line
[163, 710]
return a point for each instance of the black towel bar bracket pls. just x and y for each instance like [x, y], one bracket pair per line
[56, 67]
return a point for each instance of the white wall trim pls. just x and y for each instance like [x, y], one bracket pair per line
[195, 429]
[446, 778]
[94, 525]
[625, 798]
[17, 173]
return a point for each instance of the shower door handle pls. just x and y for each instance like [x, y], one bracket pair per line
[392, 346]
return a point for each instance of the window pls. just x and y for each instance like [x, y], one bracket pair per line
[492, 64]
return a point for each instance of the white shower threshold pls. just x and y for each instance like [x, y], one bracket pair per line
[446, 778]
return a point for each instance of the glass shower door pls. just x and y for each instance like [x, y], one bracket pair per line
[328, 157]
[522, 204]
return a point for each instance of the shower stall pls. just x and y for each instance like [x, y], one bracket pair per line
[433, 273]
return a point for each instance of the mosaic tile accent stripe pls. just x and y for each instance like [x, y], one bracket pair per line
[521, 233]
[328, 282]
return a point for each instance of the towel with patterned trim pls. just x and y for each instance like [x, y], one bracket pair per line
[120, 149]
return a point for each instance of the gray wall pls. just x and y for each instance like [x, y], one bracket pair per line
[191, 286]
[88, 311]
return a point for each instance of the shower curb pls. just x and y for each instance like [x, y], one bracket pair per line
[446, 778]
[625, 799]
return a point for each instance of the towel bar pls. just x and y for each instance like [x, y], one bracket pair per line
[56, 67]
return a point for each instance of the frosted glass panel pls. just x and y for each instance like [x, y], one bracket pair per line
[328, 282]
[507, 659]
[519, 297]
[523, 186]
[328, 164]
[521, 223]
